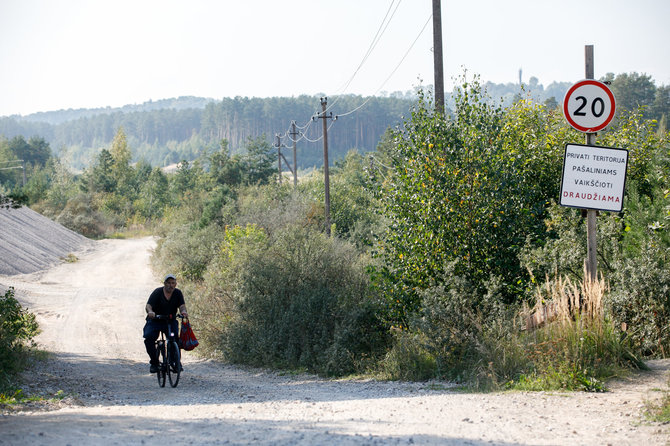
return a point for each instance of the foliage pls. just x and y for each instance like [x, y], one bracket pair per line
[469, 342]
[467, 190]
[81, 215]
[11, 201]
[286, 316]
[17, 328]
[187, 253]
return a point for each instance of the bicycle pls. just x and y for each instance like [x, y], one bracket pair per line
[169, 359]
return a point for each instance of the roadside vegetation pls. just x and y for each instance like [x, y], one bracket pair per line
[17, 329]
[447, 240]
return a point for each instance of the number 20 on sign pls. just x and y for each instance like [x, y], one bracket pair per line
[589, 106]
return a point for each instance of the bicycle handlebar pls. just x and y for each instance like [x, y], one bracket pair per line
[167, 317]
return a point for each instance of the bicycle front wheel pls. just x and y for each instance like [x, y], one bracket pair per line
[174, 363]
[162, 364]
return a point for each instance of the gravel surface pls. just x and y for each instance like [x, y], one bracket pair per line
[91, 314]
[31, 242]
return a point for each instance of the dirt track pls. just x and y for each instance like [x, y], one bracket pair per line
[91, 314]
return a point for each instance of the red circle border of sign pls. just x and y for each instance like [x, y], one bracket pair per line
[602, 87]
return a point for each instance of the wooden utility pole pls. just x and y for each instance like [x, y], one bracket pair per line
[278, 155]
[591, 214]
[294, 137]
[325, 117]
[438, 65]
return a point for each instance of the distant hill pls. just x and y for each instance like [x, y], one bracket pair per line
[60, 116]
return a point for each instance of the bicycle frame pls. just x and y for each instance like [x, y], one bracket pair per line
[169, 355]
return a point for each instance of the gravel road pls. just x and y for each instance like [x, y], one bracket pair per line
[91, 314]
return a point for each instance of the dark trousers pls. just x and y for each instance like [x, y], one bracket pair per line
[152, 330]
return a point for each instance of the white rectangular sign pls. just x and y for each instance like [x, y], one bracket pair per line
[594, 177]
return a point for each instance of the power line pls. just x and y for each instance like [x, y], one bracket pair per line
[380, 32]
[392, 72]
[375, 40]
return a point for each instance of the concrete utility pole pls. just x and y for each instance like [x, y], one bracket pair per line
[591, 225]
[438, 64]
[325, 117]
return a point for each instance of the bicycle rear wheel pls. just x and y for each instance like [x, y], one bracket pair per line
[162, 364]
[174, 363]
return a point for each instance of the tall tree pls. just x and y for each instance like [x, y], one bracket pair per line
[260, 159]
[632, 90]
[120, 152]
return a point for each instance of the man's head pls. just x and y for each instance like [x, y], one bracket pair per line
[170, 282]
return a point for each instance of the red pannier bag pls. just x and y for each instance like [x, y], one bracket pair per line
[187, 337]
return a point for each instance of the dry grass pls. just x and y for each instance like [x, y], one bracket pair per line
[562, 301]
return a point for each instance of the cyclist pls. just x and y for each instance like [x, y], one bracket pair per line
[165, 300]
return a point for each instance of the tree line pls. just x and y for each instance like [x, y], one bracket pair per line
[171, 130]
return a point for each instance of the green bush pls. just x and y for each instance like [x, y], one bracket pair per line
[410, 358]
[186, 252]
[17, 327]
[471, 335]
[81, 215]
[467, 190]
[641, 299]
[302, 301]
[212, 301]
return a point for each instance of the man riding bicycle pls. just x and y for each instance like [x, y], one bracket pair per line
[165, 300]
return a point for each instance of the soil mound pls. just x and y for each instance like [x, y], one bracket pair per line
[31, 242]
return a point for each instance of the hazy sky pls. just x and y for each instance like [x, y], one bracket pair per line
[59, 54]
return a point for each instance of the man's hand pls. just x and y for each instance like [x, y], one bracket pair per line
[151, 315]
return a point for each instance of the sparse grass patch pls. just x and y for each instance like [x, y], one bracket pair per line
[70, 258]
[16, 398]
[659, 411]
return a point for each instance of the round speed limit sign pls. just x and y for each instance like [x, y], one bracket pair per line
[589, 106]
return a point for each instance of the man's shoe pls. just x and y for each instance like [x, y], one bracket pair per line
[153, 369]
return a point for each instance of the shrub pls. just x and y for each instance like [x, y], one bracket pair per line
[641, 298]
[81, 215]
[302, 302]
[410, 358]
[17, 327]
[471, 335]
[213, 300]
[187, 252]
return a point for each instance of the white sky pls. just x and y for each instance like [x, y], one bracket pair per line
[60, 54]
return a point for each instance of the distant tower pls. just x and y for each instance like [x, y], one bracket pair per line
[520, 73]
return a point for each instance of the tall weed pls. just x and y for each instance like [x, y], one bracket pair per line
[577, 345]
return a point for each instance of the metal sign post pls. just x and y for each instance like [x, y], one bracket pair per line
[589, 106]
